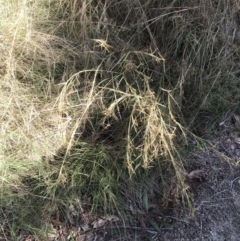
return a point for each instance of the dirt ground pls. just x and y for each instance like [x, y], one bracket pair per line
[217, 197]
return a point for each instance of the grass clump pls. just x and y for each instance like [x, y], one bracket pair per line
[98, 96]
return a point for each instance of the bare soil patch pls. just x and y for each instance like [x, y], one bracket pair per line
[217, 198]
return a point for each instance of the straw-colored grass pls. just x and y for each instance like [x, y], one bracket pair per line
[94, 94]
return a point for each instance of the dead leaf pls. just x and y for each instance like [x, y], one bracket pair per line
[195, 174]
[99, 223]
[172, 195]
[132, 209]
[62, 232]
[72, 208]
[216, 168]
[85, 227]
[237, 139]
[237, 121]
[222, 123]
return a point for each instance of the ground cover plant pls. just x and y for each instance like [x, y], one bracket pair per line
[101, 101]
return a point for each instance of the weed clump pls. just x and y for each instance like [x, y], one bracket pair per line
[97, 95]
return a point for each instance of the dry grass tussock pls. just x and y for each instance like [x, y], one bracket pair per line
[31, 125]
[94, 92]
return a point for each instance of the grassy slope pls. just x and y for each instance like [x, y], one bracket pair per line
[95, 92]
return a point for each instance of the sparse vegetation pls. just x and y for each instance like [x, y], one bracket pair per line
[99, 99]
